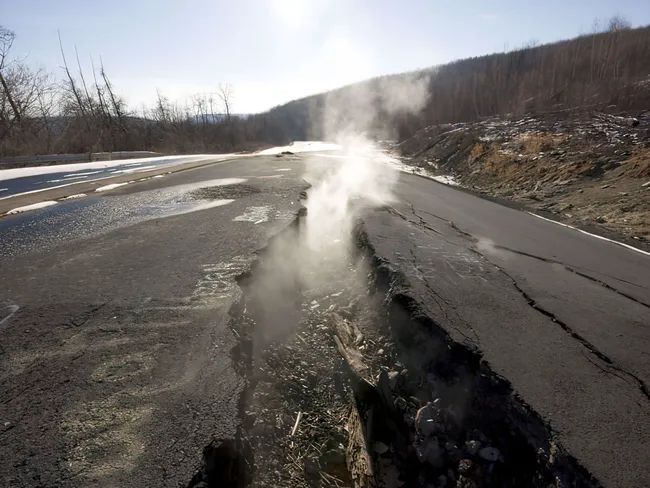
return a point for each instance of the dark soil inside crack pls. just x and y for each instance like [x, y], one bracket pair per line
[350, 384]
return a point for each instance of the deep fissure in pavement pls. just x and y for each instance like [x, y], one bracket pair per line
[470, 405]
[349, 383]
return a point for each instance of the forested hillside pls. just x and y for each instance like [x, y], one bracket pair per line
[85, 112]
[609, 68]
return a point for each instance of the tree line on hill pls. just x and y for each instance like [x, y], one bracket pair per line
[84, 112]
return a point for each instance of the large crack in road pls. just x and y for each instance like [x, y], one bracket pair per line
[609, 365]
[350, 382]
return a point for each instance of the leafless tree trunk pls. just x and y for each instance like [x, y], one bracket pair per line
[7, 38]
[73, 86]
[226, 95]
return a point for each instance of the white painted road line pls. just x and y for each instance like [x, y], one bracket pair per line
[590, 234]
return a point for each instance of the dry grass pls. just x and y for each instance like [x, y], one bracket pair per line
[540, 142]
[476, 152]
[497, 162]
[638, 166]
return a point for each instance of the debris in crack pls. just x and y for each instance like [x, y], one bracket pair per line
[350, 384]
[296, 403]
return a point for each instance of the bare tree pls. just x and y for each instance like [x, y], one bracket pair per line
[225, 93]
[7, 38]
[115, 101]
[72, 86]
[618, 23]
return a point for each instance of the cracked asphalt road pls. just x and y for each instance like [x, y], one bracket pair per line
[114, 339]
[565, 317]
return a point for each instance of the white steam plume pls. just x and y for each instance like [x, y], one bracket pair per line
[317, 255]
[361, 176]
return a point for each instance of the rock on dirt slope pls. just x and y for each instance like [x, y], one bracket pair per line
[589, 168]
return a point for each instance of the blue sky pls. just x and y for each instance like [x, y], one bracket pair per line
[273, 51]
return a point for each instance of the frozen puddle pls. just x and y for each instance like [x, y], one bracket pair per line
[257, 215]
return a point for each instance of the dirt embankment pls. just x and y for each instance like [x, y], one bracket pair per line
[591, 169]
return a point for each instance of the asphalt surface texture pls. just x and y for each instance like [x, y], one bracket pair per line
[563, 316]
[115, 365]
[115, 351]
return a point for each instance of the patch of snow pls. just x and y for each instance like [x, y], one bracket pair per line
[300, 147]
[141, 168]
[158, 176]
[72, 197]
[134, 170]
[257, 215]
[33, 206]
[446, 179]
[4, 189]
[284, 169]
[112, 186]
[9, 174]
[432, 164]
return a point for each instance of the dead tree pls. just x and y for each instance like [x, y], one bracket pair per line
[117, 103]
[225, 93]
[73, 86]
[6, 41]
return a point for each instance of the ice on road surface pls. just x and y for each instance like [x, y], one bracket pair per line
[33, 206]
[10, 174]
[112, 186]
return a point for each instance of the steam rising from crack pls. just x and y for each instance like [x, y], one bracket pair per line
[362, 176]
[318, 254]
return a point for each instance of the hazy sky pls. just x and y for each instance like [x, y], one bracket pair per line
[273, 51]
